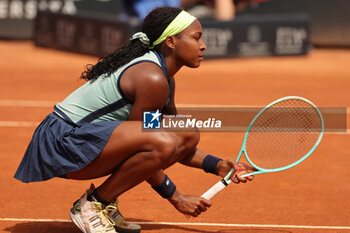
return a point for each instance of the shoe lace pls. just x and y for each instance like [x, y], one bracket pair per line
[103, 214]
[114, 207]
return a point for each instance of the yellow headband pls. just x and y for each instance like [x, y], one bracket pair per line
[181, 22]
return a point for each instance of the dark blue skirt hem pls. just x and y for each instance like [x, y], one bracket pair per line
[58, 147]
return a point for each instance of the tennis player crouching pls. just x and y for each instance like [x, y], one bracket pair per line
[96, 131]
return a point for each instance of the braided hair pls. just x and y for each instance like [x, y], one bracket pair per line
[153, 25]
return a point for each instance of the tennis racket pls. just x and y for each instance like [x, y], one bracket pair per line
[281, 135]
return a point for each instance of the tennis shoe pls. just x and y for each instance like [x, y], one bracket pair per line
[91, 217]
[120, 224]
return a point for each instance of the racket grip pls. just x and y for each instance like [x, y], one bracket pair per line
[215, 189]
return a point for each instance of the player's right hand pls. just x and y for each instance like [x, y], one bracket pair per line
[189, 204]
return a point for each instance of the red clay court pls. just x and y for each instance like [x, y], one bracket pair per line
[310, 198]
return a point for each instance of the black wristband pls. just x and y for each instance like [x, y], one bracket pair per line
[166, 188]
[210, 164]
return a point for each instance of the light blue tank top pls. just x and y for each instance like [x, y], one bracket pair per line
[103, 99]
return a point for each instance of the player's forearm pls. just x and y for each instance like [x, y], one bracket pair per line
[195, 159]
[156, 178]
[199, 159]
[162, 184]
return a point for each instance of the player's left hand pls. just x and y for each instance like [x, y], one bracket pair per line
[240, 168]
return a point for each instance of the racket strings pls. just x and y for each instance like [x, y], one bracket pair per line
[283, 134]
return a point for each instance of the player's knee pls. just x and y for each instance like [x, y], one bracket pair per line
[165, 147]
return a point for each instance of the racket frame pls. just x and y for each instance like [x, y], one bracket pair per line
[226, 181]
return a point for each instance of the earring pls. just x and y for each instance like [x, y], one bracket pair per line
[172, 50]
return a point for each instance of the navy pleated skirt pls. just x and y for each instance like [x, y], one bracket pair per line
[59, 147]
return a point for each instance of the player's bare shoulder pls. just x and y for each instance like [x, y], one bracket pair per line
[144, 78]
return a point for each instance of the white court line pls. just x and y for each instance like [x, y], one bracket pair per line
[27, 103]
[50, 103]
[23, 124]
[47, 103]
[194, 224]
